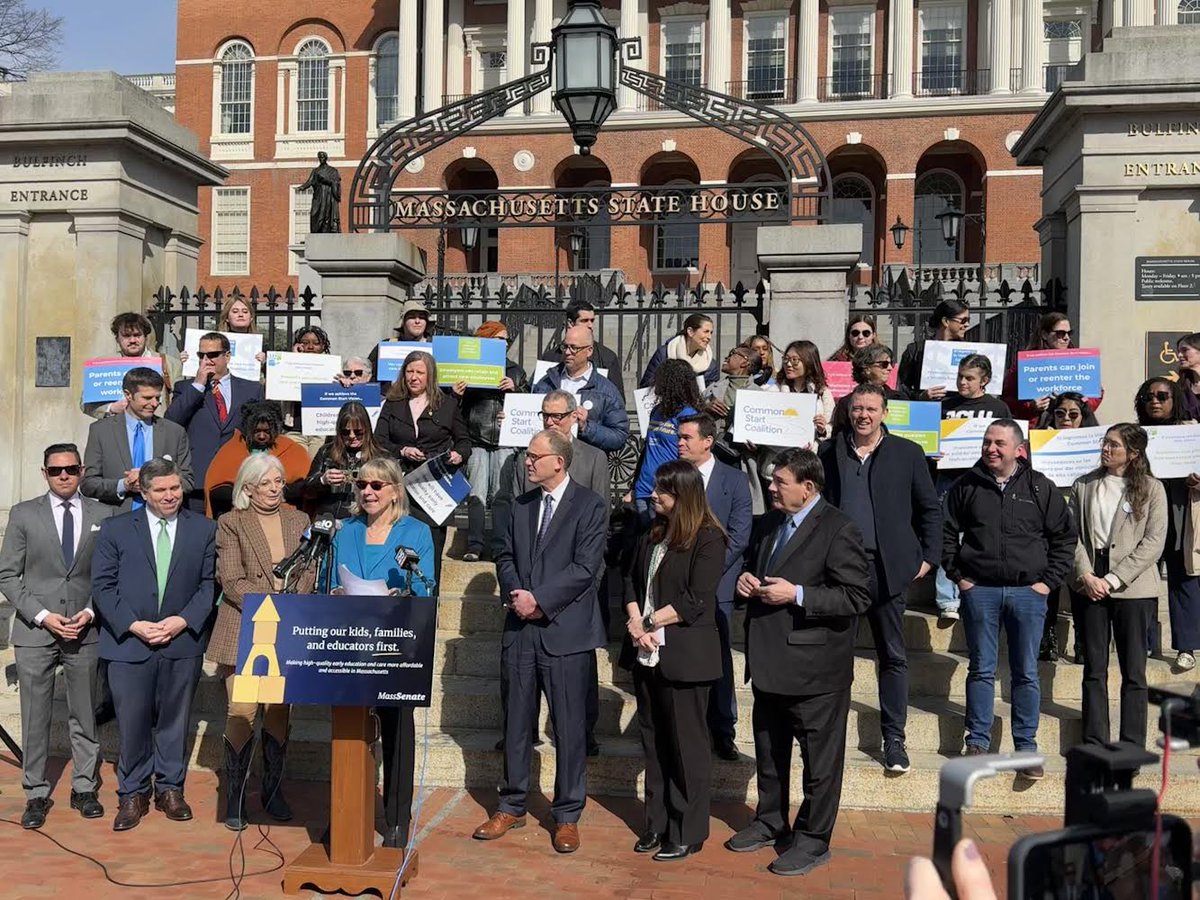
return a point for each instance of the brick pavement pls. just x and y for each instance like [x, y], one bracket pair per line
[870, 851]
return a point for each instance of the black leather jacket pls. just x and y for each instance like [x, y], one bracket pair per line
[480, 405]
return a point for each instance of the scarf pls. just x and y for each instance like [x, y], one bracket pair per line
[700, 362]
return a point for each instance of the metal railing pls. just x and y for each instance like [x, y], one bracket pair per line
[841, 88]
[276, 315]
[775, 90]
[951, 82]
[1053, 75]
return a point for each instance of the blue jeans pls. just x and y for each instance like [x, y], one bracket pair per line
[1022, 612]
[946, 591]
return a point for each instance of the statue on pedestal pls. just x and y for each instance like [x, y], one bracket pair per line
[326, 186]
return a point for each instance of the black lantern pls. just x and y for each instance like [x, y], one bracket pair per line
[899, 233]
[469, 235]
[585, 50]
[576, 240]
[951, 221]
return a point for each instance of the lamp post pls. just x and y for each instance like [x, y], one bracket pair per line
[575, 244]
[951, 221]
[585, 51]
[899, 235]
[469, 237]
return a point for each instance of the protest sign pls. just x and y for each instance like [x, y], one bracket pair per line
[839, 377]
[477, 361]
[102, 377]
[939, 366]
[321, 403]
[1063, 455]
[1041, 373]
[286, 372]
[1173, 450]
[522, 419]
[391, 355]
[916, 421]
[437, 487]
[243, 348]
[774, 419]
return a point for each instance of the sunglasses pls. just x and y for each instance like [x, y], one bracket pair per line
[961, 320]
[211, 354]
[866, 332]
[55, 471]
[376, 486]
[1160, 396]
[354, 373]
[353, 432]
[1070, 414]
[883, 364]
[1061, 333]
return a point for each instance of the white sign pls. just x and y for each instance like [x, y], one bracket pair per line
[1174, 450]
[437, 488]
[287, 371]
[939, 367]
[643, 402]
[962, 441]
[522, 419]
[242, 350]
[542, 366]
[775, 419]
[1065, 454]
[391, 355]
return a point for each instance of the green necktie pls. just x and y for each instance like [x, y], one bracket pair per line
[162, 559]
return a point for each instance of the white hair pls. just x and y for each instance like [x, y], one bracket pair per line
[250, 473]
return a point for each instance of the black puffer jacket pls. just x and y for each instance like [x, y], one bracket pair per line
[480, 405]
[1015, 537]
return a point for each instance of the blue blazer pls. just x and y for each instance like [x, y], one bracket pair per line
[351, 539]
[196, 411]
[728, 494]
[564, 573]
[125, 585]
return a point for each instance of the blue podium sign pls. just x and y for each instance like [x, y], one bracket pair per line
[336, 650]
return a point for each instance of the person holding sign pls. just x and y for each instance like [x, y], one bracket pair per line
[236, 317]
[600, 414]
[328, 487]
[692, 345]
[1188, 351]
[949, 321]
[801, 373]
[678, 396]
[132, 332]
[1053, 332]
[1122, 513]
[418, 422]
[871, 365]
[367, 546]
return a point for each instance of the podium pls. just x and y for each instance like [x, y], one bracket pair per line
[351, 862]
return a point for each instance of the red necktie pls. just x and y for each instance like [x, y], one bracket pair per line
[219, 399]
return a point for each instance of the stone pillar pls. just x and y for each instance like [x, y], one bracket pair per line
[999, 58]
[1164, 12]
[435, 53]
[515, 47]
[14, 271]
[1033, 49]
[180, 258]
[407, 79]
[363, 281]
[1016, 43]
[720, 46]
[901, 15]
[1138, 12]
[456, 48]
[1116, 13]
[808, 267]
[543, 16]
[626, 98]
[806, 70]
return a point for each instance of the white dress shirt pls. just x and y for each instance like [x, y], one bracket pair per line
[706, 469]
[557, 494]
[56, 509]
[574, 385]
[172, 524]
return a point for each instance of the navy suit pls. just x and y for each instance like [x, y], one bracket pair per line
[153, 686]
[728, 494]
[196, 411]
[554, 649]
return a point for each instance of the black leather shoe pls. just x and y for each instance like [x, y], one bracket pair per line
[395, 836]
[725, 748]
[35, 812]
[130, 812]
[753, 837]
[172, 804]
[593, 748]
[677, 851]
[105, 713]
[650, 840]
[88, 805]
[797, 862]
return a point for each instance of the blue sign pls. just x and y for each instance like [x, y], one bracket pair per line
[477, 361]
[337, 651]
[321, 403]
[391, 355]
[102, 378]
[917, 421]
[1041, 373]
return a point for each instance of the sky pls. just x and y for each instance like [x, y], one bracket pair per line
[130, 37]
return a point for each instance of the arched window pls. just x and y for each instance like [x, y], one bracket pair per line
[312, 86]
[1064, 30]
[936, 192]
[237, 76]
[387, 81]
[677, 246]
[854, 204]
[1189, 12]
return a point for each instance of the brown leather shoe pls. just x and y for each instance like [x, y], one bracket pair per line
[566, 837]
[130, 812]
[173, 805]
[497, 825]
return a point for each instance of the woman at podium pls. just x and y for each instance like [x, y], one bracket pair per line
[372, 545]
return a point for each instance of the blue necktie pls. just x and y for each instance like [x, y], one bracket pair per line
[786, 530]
[547, 511]
[139, 457]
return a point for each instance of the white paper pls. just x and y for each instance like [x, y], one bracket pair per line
[1065, 454]
[774, 419]
[322, 421]
[644, 400]
[242, 350]
[542, 366]
[426, 490]
[287, 371]
[1173, 450]
[962, 441]
[360, 587]
[939, 367]
[522, 419]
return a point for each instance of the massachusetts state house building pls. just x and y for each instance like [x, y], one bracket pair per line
[914, 104]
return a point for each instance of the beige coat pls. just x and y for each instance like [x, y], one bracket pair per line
[1134, 545]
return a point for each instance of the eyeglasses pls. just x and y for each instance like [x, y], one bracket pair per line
[883, 364]
[535, 458]
[1061, 333]
[211, 354]
[1160, 396]
[1070, 414]
[576, 348]
[354, 373]
[376, 486]
[55, 471]
[792, 360]
[353, 432]
[865, 332]
[554, 417]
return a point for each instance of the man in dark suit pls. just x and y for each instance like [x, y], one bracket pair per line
[120, 444]
[728, 494]
[209, 408]
[152, 582]
[882, 483]
[548, 571]
[44, 566]
[804, 592]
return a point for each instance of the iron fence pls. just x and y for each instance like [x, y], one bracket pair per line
[276, 315]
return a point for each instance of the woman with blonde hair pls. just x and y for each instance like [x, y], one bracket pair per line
[259, 532]
[236, 317]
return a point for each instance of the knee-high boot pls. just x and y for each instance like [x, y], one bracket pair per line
[237, 768]
[274, 754]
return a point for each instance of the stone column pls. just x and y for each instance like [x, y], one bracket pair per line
[626, 98]
[999, 58]
[720, 46]
[808, 267]
[1033, 49]
[901, 15]
[363, 277]
[1116, 8]
[1016, 43]
[1164, 12]
[180, 257]
[515, 47]
[543, 16]
[456, 48]
[406, 81]
[1138, 12]
[435, 53]
[806, 73]
[14, 270]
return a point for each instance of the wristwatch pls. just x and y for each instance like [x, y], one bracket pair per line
[648, 622]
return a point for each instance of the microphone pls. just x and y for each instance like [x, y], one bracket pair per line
[322, 530]
[408, 559]
[208, 382]
[306, 540]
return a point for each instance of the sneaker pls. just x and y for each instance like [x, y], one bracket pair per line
[1185, 661]
[947, 617]
[1048, 651]
[471, 556]
[895, 758]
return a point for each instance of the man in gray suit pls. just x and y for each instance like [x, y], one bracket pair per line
[119, 445]
[45, 572]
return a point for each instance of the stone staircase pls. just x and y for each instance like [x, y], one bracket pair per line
[464, 722]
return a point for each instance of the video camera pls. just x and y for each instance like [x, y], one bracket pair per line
[1114, 843]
